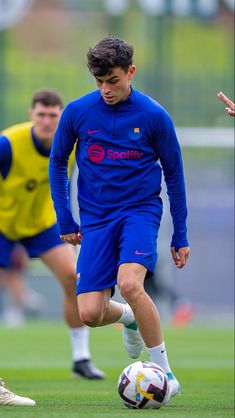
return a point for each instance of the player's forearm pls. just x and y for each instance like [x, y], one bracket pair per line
[178, 207]
[58, 176]
[171, 160]
[179, 215]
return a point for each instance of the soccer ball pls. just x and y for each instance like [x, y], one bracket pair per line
[143, 385]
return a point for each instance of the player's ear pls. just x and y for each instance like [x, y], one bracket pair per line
[30, 111]
[131, 72]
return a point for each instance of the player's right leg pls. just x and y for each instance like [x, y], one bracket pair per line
[96, 309]
[8, 398]
[96, 278]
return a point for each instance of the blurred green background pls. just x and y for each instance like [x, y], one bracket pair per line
[183, 53]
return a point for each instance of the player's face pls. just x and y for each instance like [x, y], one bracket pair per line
[46, 119]
[115, 86]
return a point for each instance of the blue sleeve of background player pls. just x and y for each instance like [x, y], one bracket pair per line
[5, 156]
[62, 147]
[168, 149]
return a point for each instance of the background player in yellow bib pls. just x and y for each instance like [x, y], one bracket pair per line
[27, 214]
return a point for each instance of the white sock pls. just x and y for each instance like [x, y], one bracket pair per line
[158, 355]
[80, 343]
[127, 316]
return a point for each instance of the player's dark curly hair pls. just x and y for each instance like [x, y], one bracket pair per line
[108, 54]
[47, 98]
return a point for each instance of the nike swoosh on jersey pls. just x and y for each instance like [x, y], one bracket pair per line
[93, 131]
[140, 253]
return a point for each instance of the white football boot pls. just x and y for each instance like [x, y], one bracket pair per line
[9, 398]
[174, 386]
[132, 340]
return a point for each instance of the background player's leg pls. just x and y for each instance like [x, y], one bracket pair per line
[61, 261]
[23, 300]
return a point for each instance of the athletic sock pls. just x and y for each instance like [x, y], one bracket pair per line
[80, 343]
[158, 355]
[127, 318]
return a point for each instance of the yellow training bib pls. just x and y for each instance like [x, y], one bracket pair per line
[26, 207]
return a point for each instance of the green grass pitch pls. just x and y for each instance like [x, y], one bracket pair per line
[35, 361]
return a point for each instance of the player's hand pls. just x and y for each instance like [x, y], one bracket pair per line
[74, 238]
[180, 257]
[230, 109]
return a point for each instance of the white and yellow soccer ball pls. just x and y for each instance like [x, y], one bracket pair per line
[143, 385]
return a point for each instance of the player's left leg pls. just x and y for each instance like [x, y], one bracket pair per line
[61, 261]
[131, 284]
[138, 255]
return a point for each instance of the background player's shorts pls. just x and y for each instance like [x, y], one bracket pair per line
[131, 239]
[35, 246]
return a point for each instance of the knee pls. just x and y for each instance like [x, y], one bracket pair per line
[129, 288]
[91, 318]
[130, 281]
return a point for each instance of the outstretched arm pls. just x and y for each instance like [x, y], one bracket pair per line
[230, 106]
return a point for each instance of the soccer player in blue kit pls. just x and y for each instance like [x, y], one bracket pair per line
[120, 135]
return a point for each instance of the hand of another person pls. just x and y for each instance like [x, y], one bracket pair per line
[180, 257]
[230, 109]
[74, 238]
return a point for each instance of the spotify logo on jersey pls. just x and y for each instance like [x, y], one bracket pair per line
[96, 153]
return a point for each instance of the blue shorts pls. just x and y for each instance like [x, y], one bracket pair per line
[35, 246]
[131, 239]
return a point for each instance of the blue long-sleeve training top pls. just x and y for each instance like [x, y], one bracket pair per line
[121, 151]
